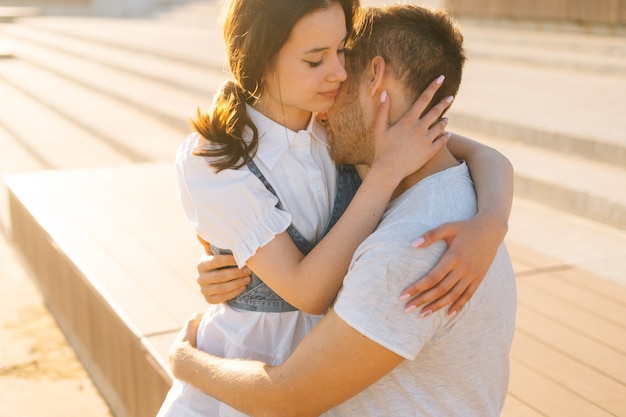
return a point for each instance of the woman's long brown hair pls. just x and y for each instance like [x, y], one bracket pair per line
[254, 32]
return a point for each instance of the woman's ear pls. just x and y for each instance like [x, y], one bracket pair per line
[375, 76]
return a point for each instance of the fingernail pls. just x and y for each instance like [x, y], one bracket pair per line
[410, 309]
[449, 99]
[445, 120]
[418, 242]
[440, 79]
[405, 297]
[426, 313]
[245, 270]
[451, 314]
[383, 96]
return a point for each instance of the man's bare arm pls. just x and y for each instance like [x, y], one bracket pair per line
[333, 363]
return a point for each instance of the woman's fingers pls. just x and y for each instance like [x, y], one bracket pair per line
[457, 275]
[216, 293]
[220, 279]
[208, 263]
[416, 115]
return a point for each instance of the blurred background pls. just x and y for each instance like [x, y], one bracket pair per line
[92, 85]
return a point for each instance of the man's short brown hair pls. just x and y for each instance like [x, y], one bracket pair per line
[418, 43]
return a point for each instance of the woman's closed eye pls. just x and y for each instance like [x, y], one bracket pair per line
[315, 64]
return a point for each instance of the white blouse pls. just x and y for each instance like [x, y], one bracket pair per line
[233, 210]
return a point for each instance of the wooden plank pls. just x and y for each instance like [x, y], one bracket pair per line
[572, 344]
[165, 271]
[577, 377]
[548, 397]
[105, 235]
[108, 278]
[160, 345]
[124, 230]
[527, 261]
[592, 284]
[513, 407]
[106, 273]
[156, 219]
[570, 315]
[605, 308]
[100, 333]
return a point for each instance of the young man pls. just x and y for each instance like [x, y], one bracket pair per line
[367, 356]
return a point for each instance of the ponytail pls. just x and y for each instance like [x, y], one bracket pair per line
[223, 127]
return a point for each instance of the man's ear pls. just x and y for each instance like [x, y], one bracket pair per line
[375, 76]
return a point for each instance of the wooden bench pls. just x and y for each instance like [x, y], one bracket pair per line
[115, 260]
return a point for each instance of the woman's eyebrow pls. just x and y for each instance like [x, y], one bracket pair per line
[315, 50]
[323, 48]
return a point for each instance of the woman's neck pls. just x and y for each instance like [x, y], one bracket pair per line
[292, 118]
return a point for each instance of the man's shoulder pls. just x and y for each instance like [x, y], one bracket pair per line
[388, 251]
[396, 233]
[445, 196]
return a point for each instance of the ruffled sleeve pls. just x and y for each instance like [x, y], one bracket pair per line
[231, 209]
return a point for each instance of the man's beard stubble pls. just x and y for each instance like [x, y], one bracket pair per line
[350, 133]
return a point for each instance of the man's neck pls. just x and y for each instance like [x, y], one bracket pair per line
[441, 161]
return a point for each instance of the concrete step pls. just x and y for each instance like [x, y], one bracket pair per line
[569, 240]
[150, 72]
[146, 95]
[122, 127]
[519, 82]
[201, 13]
[156, 91]
[201, 46]
[598, 53]
[37, 130]
[560, 121]
[569, 111]
[97, 243]
[14, 158]
[570, 183]
[76, 102]
[40, 45]
[11, 13]
[119, 8]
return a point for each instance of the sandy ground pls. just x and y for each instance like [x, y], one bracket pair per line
[40, 375]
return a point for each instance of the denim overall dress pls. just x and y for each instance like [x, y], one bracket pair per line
[257, 295]
[183, 400]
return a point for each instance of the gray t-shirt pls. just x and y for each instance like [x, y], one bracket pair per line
[452, 367]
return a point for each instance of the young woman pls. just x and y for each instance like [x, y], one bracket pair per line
[256, 179]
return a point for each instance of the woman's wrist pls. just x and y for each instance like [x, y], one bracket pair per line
[493, 220]
[384, 178]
